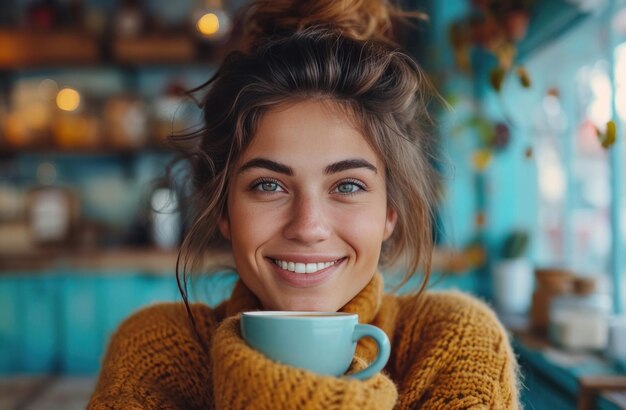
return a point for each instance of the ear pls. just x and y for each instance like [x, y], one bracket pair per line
[390, 222]
[223, 224]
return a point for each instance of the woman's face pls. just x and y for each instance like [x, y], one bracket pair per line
[307, 209]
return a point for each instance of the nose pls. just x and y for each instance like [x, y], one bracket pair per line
[307, 221]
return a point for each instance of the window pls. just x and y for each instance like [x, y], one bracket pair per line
[581, 216]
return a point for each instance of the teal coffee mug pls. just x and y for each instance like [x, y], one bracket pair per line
[322, 342]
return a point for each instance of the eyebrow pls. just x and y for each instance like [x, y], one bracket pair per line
[349, 164]
[267, 164]
[287, 170]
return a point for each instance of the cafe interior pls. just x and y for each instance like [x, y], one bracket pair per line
[531, 217]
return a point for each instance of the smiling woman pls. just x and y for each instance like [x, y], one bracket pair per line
[302, 189]
[315, 170]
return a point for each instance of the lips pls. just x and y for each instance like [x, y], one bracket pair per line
[306, 272]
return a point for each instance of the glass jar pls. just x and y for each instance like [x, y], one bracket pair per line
[580, 322]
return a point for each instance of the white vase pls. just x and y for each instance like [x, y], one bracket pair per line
[166, 220]
[513, 284]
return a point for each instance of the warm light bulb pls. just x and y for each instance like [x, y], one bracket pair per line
[208, 24]
[68, 99]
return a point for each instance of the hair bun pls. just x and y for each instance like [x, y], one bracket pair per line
[358, 19]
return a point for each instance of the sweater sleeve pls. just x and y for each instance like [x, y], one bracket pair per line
[154, 361]
[244, 378]
[452, 353]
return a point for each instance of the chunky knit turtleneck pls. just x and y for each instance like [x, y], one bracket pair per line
[448, 351]
[366, 303]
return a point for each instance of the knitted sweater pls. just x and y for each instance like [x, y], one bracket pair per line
[448, 351]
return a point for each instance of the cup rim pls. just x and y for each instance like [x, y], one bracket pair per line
[292, 314]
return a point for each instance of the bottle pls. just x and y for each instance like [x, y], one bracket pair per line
[166, 218]
[52, 210]
[130, 19]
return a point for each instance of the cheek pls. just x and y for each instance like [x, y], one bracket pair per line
[364, 227]
[250, 226]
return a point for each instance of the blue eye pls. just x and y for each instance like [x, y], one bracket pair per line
[266, 186]
[349, 187]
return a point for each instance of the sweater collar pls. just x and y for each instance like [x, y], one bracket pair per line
[366, 303]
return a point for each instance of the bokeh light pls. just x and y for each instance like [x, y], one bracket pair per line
[208, 24]
[68, 99]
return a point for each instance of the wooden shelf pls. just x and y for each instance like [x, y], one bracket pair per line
[154, 49]
[10, 152]
[23, 49]
[149, 260]
[458, 261]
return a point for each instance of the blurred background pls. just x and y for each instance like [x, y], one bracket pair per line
[532, 216]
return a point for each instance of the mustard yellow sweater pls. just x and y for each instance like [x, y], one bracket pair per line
[448, 352]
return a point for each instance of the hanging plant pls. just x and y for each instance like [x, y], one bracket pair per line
[493, 137]
[609, 136]
[496, 26]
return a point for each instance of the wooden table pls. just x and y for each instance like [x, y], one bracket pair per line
[37, 392]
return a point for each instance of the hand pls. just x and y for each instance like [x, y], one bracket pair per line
[244, 377]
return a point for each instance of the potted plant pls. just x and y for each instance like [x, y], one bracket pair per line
[512, 275]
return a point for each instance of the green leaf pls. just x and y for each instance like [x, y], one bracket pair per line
[524, 77]
[496, 78]
[610, 135]
[453, 99]
[515, 244]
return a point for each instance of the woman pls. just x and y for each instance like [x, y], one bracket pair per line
[314, 169]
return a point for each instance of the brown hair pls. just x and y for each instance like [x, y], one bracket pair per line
[263, 20]
[382, 89]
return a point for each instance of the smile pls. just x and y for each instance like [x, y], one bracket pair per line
[298, 267]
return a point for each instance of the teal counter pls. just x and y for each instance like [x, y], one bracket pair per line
[59, 321]
[550, 378]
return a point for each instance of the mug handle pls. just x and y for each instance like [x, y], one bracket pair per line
[384, 349]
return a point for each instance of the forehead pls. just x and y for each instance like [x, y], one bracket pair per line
[310, 132]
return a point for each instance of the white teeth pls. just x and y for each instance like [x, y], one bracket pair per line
[298, 267]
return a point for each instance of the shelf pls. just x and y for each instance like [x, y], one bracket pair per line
[154, 49]
[149, 260]
[8, 153]
[549, 21]
[23, 49]
[458, 261]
